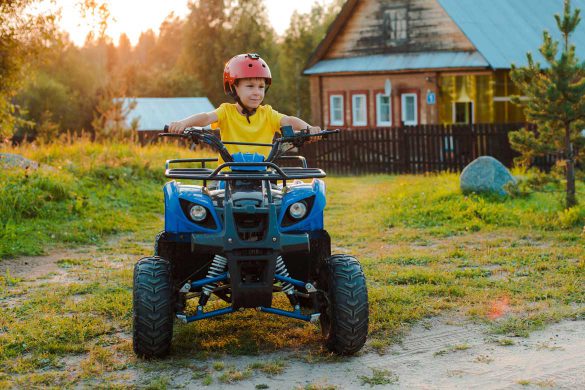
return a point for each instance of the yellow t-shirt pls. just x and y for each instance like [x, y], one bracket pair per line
[234, 127]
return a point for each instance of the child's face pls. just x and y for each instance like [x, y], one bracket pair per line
[251, 91]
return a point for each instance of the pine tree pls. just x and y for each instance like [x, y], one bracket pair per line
[554, 100]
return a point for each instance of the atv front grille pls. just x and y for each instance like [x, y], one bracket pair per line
[253, 252]
[251, 227]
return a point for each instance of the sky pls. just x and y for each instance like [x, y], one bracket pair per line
[136, 16]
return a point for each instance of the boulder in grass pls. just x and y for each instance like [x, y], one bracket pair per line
[9, 160]
[486, 174]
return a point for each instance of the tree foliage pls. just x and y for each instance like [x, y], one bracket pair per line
[300, 40]
[215, 31]
[22, 36]
[555, 101]
[65, 85]
[73, 87]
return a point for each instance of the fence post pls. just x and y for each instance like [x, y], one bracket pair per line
[403, 149]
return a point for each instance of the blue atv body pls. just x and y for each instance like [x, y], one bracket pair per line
[178, 196]
[247, 230]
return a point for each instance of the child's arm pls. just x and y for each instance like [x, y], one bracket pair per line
[298, 124]
[202, 119]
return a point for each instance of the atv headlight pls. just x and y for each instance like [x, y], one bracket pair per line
[298, 210]
[197, 213]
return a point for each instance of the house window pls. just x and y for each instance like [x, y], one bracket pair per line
[383, 110]
[409, 109]
[336, 110]
[358, 110]
[463, 113]
[395, 26]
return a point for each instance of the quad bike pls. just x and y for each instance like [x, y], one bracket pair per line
[243, 237]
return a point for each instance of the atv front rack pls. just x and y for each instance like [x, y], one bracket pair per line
[273, 171]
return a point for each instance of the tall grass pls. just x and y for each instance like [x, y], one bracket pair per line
[85, 191]
[81, 193]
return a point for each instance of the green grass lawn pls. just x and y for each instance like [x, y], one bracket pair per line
[516, 263]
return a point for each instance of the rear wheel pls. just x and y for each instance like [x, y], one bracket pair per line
[344, 306]
[153, 305]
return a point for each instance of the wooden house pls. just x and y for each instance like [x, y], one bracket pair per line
[386, 63]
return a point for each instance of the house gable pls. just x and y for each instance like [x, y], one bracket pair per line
[394, 26]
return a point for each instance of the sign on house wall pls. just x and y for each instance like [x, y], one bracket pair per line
[431, 97]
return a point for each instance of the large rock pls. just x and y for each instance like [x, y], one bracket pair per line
[485, 174]
[8, 160]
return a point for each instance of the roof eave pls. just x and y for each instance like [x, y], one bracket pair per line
[401, 71]
[332, 32]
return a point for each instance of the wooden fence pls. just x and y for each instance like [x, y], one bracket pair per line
[413, 149]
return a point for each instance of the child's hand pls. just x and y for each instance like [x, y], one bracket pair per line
[177, 127]
[314, 130]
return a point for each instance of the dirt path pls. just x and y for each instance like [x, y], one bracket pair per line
[437, 355]
[441, 353]
[32, 267]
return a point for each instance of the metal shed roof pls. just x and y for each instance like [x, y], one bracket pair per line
[503, 31]
[154, 113]
[401, 61]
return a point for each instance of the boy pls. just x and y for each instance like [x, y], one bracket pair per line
[246, 78]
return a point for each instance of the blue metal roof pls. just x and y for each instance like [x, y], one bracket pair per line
[154, 113]
[503, 31]
[400, 61]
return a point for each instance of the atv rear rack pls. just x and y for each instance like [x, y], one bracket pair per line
[273, 173]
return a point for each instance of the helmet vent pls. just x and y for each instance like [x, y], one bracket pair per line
[249, 65]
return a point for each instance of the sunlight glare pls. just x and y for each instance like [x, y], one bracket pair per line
[136, 16]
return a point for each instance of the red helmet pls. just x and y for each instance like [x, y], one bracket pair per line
[244, 66]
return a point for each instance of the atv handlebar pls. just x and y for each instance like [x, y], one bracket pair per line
[199, 134]
[302, 136]
[279, 147]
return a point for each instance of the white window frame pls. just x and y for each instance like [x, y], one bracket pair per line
[379, 121]
[332, 120]
[354, 97]
[403, 109]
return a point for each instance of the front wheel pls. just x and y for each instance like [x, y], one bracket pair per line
[344, 312]
[153, 307]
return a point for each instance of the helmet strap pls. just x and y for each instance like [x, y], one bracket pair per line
[245, 110]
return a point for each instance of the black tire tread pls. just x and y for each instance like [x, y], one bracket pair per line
[153, 313]
[349, 304]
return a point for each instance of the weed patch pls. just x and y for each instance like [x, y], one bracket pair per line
[379, 377]
[233, 375]
[270, 368]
